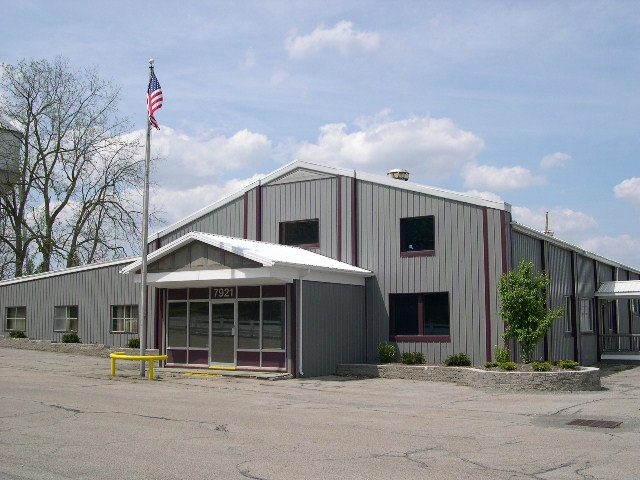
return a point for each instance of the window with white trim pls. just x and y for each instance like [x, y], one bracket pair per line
[65, 319]
[16, 319]
[585, 307]
[124, 318]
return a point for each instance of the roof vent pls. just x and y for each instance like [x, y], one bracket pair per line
[546, 227]
[398, 174]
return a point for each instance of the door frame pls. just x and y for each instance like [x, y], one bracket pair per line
[234, 302]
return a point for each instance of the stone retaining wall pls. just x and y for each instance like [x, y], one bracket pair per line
[583, 379]
[93, 349]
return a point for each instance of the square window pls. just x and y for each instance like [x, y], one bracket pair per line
[417, 236]
[420, 315]
[124, 318]
[303, 233]
[65, 319]
[16, 318]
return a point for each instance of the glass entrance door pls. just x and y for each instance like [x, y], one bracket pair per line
[223, 333]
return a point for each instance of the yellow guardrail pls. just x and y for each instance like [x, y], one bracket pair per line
[123, 356]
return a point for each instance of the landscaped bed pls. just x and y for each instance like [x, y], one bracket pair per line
[523, 378]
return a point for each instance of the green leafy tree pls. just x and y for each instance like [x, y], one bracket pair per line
[523, 307]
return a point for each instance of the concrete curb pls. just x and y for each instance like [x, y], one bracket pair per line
[91, 349]
[582, 379]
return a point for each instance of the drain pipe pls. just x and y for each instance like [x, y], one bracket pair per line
[300, 277]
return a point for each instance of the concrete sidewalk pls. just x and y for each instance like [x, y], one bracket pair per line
[64, 416]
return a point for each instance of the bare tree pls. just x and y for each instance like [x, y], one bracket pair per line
[80, 172]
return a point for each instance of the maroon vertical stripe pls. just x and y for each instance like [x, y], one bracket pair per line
[339, 227]
[246, 215]
[487, 282]
[259, 213]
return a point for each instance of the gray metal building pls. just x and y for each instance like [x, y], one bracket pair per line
[242, 283]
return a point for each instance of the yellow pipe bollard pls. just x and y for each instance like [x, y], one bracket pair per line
[123, 356]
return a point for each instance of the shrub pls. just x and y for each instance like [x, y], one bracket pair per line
[541, 366]
[386, 352]
[502, 355]
[523, 296]
[133, 343]
[509, 366]
[567, 364]
[409, 358]
[18, 334]
[71, 338]
[458, 360]
[491, 364]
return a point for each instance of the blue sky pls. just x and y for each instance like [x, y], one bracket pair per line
[534, 103]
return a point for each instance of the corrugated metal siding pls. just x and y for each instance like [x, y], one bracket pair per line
[93, 291]
[333, 331]
[558, 268]
[457, 267]
[227, 220]
[302, 201]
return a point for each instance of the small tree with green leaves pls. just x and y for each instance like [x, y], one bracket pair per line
[523, 307]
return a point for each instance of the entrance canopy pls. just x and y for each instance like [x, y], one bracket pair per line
[202, 259]
[619, 289]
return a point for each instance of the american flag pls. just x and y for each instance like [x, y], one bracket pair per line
[154, 98]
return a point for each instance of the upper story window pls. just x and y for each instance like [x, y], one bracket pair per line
[65, 319]
[417, 236]
[302, 233]
[16, 318]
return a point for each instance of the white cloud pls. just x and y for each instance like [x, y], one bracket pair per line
[557, 159]
[430, 149]
[494, 178]
[624, 248]
[177, 204]
[628, 190]
[342, 36]
[278, 77]
[249, 60]
[561, 220]
[486, 195]
[208, 156]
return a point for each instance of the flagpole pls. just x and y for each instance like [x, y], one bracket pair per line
[142, 309]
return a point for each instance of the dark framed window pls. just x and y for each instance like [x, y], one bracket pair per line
[16, 318]
[65, 319]
[302, 233]
[124, 319]
[568, 313]
[419, 316]
[417, 236]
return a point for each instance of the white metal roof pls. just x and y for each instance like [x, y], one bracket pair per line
[619, 289]
[279, 262]
[518, 227]
[67, 271]
[333, 171]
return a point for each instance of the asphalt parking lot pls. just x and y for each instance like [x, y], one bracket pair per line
[63, 416]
